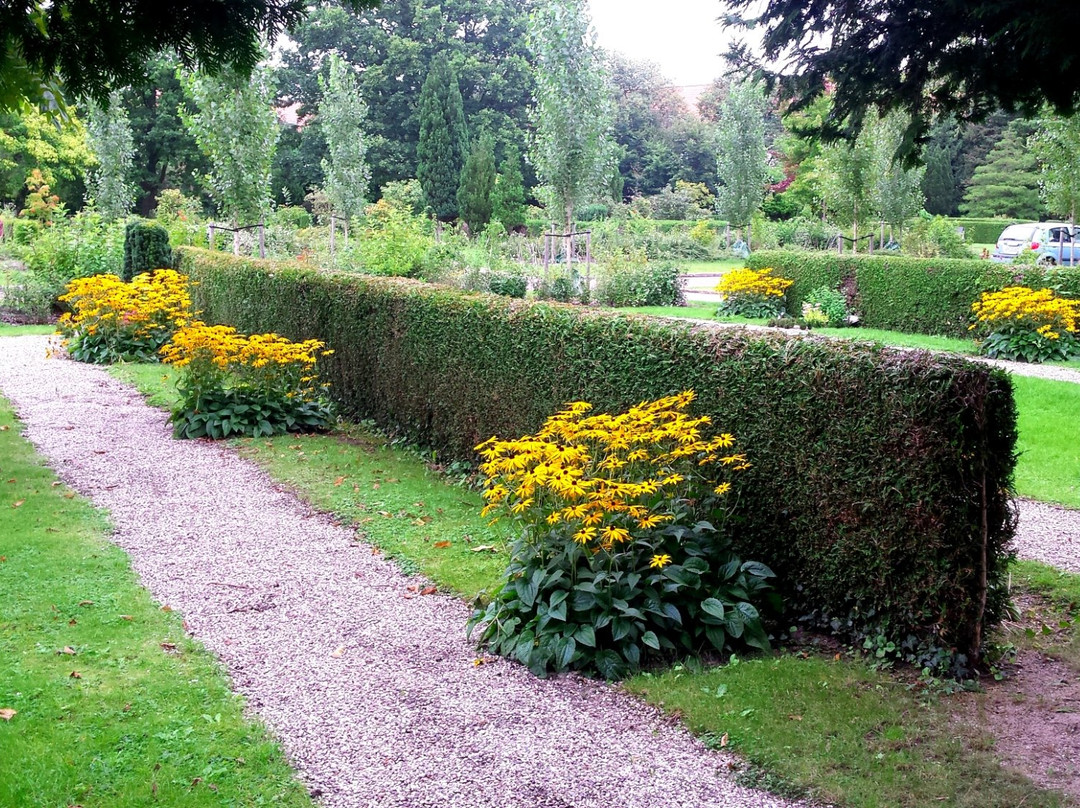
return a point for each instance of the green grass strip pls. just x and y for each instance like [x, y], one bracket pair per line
[8, 330]
[1049, 440]
[139, 714]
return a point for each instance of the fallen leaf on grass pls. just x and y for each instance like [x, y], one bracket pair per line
[86, 603]
[76, 675]
[56, 483]
[795, 717]
[126, 617]
[339, 652]
[168, 646]
[485, 548]
[723, 740]
[441, 544]
[339, 481]
[7, 713]
[166, 608]
[4, 428]
[67, 649]
[18, 503]
[11, 480]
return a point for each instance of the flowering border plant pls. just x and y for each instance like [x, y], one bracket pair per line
[114, 321]
[232, 384]
[752, 293]
[1027, 325]
[613, 562]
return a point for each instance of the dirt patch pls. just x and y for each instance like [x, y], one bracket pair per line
[1034, 716]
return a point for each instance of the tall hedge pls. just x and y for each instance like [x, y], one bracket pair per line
[879, 486]
[916, 295]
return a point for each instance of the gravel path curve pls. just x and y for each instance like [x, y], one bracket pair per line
[1049, 533]
[401, 716]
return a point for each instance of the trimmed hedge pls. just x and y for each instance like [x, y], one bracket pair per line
[982, 231]
[915, 295]
[879, 486]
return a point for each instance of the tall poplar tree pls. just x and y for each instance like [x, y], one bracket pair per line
[235, 125]
[742, 161]
[1056, 145]
[477, 184]
[574, 117]
[342, 114]
[109, 135]
[440, 151]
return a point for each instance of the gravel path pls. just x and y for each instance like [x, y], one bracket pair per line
[375, 696]
[1049, 533]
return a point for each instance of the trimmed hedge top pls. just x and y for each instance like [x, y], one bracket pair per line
[879, 487]
[916, 295]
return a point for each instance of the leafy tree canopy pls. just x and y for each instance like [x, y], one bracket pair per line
[925, 57]
[82, 48]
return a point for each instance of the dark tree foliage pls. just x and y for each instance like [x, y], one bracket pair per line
[474, 195]
[392, 47]
[927, 57]
[166, 155]
[92, 48]
[939, 184]
[1007, 184]
[440, 150]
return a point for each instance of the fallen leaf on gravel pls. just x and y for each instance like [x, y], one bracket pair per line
[339, 652]
[67, 649]
[166, 608]
[441, 544]
[7, 713]
[100, 451]
[429, 590]
[86, 603]
[723, 740]
[18, 503]
[76, 675]
[488, 548]
[339, 481]
[413, 588]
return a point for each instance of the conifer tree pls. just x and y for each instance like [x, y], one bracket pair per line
[508, 198]
[474, 196]
[440, 151]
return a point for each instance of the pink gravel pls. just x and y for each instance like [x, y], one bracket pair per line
[402, 716]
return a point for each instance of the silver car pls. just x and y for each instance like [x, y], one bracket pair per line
[1053, 241]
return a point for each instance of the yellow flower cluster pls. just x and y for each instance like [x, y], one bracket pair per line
[155, 301]
[607, 477]
[752, 282]
[226, 348]
[1041, 310]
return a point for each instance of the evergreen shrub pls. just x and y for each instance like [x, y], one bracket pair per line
[146, 248]
[879, 479]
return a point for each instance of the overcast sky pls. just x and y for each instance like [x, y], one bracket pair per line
[683, 36]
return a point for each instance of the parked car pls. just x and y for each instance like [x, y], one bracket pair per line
[1054, 242]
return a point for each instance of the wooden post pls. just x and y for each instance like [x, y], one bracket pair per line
[840, 243]
[210, 235]
[262, 238]
[236, 241]
[333, 231]
[588, 263]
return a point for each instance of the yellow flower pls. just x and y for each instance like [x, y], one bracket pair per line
[660, 561]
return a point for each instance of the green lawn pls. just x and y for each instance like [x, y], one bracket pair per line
[8, 330]
[1049, 440]
[107, 715]
[707, 267]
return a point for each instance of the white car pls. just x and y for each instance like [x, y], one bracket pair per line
[1053, 241]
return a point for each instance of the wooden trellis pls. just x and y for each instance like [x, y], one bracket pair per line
[213, 227]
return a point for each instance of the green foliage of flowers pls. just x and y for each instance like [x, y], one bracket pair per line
[830, 303]
[232, 385]
[613, 563]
